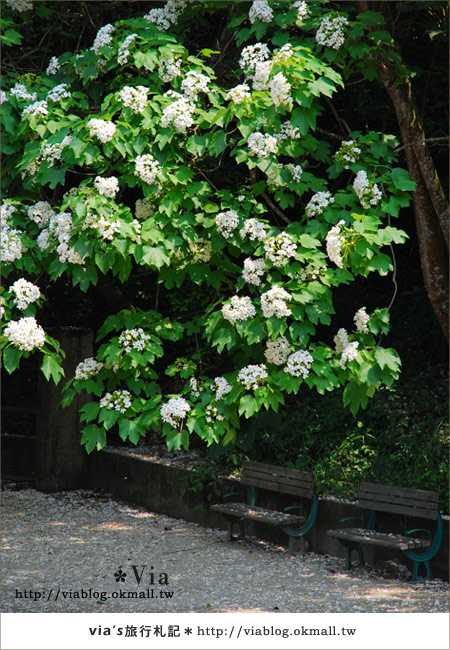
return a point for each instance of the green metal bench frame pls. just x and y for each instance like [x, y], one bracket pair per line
[403, 501]
[283, 480]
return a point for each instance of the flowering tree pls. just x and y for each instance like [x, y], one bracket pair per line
[109, 172]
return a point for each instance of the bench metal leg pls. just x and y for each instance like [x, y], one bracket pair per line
[415, 575]
[297, 545]
[360, 560]
[241, 535]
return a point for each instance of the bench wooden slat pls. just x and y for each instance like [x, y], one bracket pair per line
[402, 501]
[394, 491]
[398, 509]
[379, 539]
[276, 486]
[283, 480]
[242, 510]
[249, 465]
[278, 479]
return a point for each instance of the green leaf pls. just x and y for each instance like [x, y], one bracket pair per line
[387, 357]
[93, 437]
[155, 256]
[248, 405]
[11, 359]
[402, 180]
[131, 430]
[355, 396]
[89, 411]
[52, 368]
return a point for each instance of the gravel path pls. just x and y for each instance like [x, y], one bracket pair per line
[82, 543]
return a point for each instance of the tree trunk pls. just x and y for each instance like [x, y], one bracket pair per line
[429, 201]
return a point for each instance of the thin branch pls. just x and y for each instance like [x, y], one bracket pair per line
[414, 142]
[273, 207]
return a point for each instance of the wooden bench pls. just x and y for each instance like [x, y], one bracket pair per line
[282, 480]
[401, 501]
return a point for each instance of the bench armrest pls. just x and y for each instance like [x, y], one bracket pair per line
[360, 519]
[302, 508]
[419, 530]
[231, 494]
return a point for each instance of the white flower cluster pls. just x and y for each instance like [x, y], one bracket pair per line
[239, 93]
[134, 339]
[123, 52]
[41, 213]
[331, 31]
[260, 10]
[252, 55]
[103, 37]
[283, 54]
[227, 222]
[61, 226]
[296, 171]
[53, 66]
[299, 364]
[273, 302]
[20, 92]
[287, 132]
[87, 369]
[6, 212]
[318, 203]
[178, 114]
[251, 377]
[361, 318]
[163, 18]
[107, 186]
[262, 144]
[59, 92]
[347, 350]
[348, 153]
[239, 308]
[26, 293]
[261, 75]
[194, 83]
[134, 98]
[201, 250]
[147, 168]
[52, 152]
[302, 9]
[169, 67]
[212, 414]
[174, 411]
[253, 229]
[334, 242]
[253, 271]
[144, 209]
[310, 272]
[119, 400]
[195, 387]
[105, 229]
[11, 247]
[101, 129]
[221, 386]
[20, 5]
[25, 334]
[35, 109]
[277, 351]
[367, 192]
[280, 90]
[280, 248]
[3, 97]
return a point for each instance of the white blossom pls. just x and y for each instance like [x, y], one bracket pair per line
[361, 319]
[212, 414]
[331, 31]
[37, 108]
[26, 293]
[41, 213]
[273, 302]
[260, 10]
[169, 67]
[280, 90]
[252, 54]
[262, 144]
[347, 154]
[61, 226]
[119, 400]
[21, 93]
[103, 37]
[239, 308]
[178, 114]
[194, 83]
[347, 350]
[175, 410]
[134, 339]
[147, 168]
[367, 192]
[107, 186]
[296, 171]
[318, 203]
[123, 52]
[53, 66]
[221, 386]
[261, 75]
[87, 369]
[287, 132]
[277, 351]
[194, 386]
[163, 18]
[11, 247]
[334, 242]
[3, 97]
[299, 364]
[144, 209]
[239, 93]
[101, 129]
[227, 222]
[134, 98]
[302, 9]
[20, 5]
[25, 334]
[52, 152]
[253, 229]
[104, 228]
[201, 250]
[253, 270]
[59, 92]
[283, 54]
[280, 248]
[252, 376]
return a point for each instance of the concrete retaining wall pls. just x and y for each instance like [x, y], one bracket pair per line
[164, 488]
